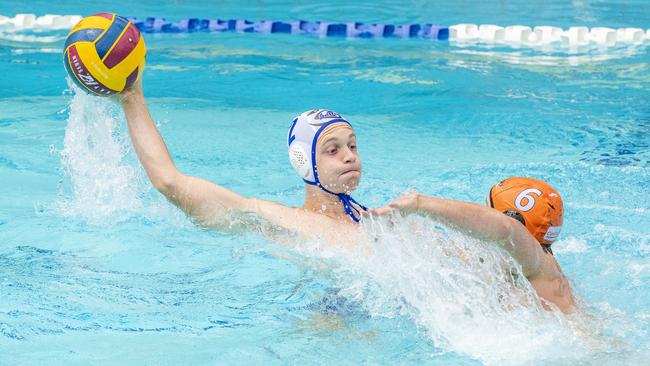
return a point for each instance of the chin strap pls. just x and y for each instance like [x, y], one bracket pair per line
[347, 201]
[347, 205]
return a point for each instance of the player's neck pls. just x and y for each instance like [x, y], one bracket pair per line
[317, 200]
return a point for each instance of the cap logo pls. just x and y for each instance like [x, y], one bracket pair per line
[327, 114]
[292, 136]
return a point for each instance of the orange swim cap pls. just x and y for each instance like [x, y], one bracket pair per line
[531, 201]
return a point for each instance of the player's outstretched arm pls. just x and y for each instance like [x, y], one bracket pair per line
[208, 204]
[478, 221]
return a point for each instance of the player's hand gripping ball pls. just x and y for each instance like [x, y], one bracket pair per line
[104, 54]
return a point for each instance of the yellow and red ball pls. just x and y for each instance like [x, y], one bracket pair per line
[104, 54]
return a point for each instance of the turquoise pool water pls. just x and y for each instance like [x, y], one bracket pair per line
[96, 268]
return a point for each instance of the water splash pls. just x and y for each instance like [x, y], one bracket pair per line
[467, 296]
[103, 184]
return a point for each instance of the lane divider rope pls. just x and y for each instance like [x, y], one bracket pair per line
[456, 34]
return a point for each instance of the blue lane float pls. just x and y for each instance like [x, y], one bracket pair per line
[318, 28]
[458, 34]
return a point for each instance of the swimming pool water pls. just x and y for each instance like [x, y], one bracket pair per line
[96, 268]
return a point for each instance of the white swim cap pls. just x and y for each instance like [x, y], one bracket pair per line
[302, 139]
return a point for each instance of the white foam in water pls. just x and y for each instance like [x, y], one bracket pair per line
[103, 184]
[570, 245]
[469, 297]
[28, 38]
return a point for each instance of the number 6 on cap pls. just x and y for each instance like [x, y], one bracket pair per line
[530, 201]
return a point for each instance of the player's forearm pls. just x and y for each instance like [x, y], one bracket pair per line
[487, 224]
[480, 221]
[147, 142]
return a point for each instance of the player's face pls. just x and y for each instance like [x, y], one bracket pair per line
[337, 159]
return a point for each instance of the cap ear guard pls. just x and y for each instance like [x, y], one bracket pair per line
[298, 159]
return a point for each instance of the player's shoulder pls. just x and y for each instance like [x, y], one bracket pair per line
[550, 268]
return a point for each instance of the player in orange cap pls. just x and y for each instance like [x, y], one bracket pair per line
[537, 206]
[526, 201]
[533, 203]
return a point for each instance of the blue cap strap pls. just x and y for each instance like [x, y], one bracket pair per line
[357, 203]
[348, 207]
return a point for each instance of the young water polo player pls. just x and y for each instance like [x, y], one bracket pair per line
[538, 207]
[323, 151]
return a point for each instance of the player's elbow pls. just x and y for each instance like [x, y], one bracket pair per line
[516, 241]
[167, 184]
[505, 229]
